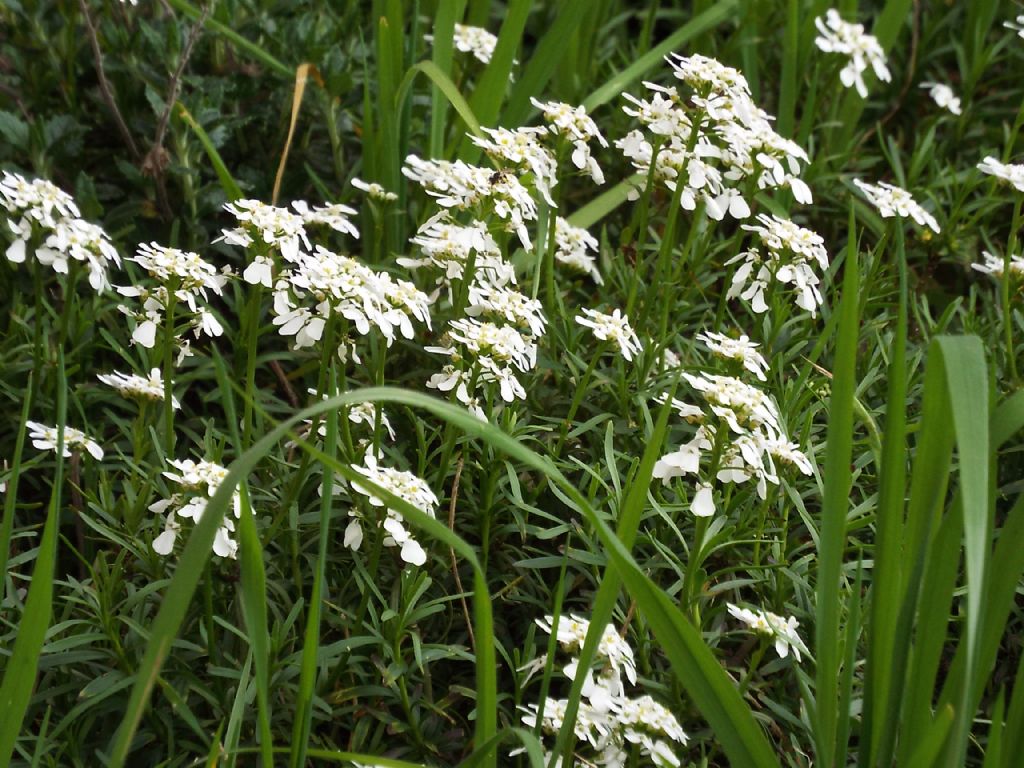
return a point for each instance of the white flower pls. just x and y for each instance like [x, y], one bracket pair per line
[42, 210]
[447, 246]
[520, 149]
[838, 36]
[516, 308]
[891, 200]
[468, 187]
[781, 629]
[574, 125]
[199, 481]
[614, 327]
[792, 254]
[1014, 174]
[474, 40]
[703, 503]
[333, 215]
[994, 265]
[741, 350]
[1017, 26]
[140, 387]
[45, 439]
[272, 226]
[374, 191]
[404, 485]
[943, 96]
[571, 249]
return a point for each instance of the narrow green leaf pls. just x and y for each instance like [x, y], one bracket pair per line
[449, 12]
[227, 181]
[20, 672]
[699, 24]
[490, 89]
[835, 504]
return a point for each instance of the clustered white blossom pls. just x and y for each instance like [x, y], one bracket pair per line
[183, 278]
[521, 150]
[608, 722]
[572, 246]
[718, 147]
[738, 434]
[404, 485]
[199, 481]
[891, 200]
[574, 125]
[474, 40]
[614, 327]
[780, 629]
[45, 439]
[849, 39]
[741, 350]
[447, 246]
[943, 96]
[995, 266]
[44, 215]
[324, 284]
[138, 387]
[481, 191]
[1008, 172]
[792, 253]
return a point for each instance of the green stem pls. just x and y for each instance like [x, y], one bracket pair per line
[1011, 358]
[168, 349]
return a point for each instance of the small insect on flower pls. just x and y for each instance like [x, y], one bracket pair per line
[45, 439]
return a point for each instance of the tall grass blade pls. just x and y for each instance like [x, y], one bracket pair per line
[20, 672]
[449, 12]
[835, 504]
[302, 74]
[544, 61]
[227, 181]
[489, 92]
[696, 26]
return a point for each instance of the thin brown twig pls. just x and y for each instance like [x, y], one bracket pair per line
[451, 550]
[156, 159]
[105, 90]
[286, 385]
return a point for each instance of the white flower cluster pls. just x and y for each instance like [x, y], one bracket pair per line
[483, 353]
[45, 439]
[46, 216]
[183, 277]
[614, 327]
[199, 481]
[325, 284]
[943, 97]
[608, 721]
[406, 486]
[138, 387]
[738, 437]
[574, 125]
[719, 147]
[463, 187]
[891, 200]
[863, 50]
[475, 40]
[448, 246]
[572, 247]
[1008, 172]
[781, 630]
[741, 350]
[520, 149]
[792, 254]
[994, 265]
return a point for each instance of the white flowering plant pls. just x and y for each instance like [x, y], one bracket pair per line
[510, 384]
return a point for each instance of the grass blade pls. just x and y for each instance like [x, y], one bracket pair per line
[835, 504]
[449, 12]
[227, 181]
[20, 672]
